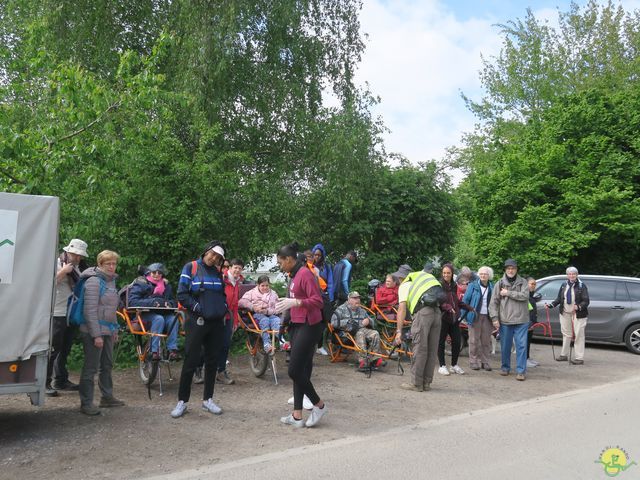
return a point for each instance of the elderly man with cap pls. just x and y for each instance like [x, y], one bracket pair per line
[153, 292]
[201, 292]
[352, 318]
[419, 295]
[509, 310]
[69, 265]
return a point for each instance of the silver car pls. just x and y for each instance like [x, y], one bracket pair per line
[614, 308]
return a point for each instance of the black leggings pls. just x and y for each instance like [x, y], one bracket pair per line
[304, 338]
[453, 330]
[210, 335]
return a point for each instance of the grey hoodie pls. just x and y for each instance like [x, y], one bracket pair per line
[98, 308]
[514, 308]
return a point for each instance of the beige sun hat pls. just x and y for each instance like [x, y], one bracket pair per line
[77, 246]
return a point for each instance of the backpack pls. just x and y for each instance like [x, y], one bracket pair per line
[75, 303]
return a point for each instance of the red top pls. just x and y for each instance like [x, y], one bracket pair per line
[386, 296]
[231, 291]
[304, 287]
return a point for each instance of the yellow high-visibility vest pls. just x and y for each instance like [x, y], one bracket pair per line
[421, 282]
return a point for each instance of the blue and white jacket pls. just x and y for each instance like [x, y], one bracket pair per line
[202, 293]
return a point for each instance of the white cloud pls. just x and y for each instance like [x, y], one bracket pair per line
[418, 59]
[420, 54]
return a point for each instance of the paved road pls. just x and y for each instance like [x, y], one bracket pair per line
[555, 437]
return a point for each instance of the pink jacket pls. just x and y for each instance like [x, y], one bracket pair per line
[254, 299]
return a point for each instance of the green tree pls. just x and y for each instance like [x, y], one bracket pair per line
[553, 169]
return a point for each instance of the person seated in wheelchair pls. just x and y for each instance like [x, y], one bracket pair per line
[350, 317]
[154, 291]
[261, 300]
[387, 295]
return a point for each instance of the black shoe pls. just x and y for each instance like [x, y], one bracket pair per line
[67, 385]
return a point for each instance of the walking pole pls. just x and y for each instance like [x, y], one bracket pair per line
[573, 337]
[553, 351]
[272, 354]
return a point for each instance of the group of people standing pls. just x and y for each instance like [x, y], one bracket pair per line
[317, 294]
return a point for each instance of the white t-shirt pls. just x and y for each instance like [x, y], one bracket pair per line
[403, 291]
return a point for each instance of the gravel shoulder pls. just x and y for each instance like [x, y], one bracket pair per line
[141, 439]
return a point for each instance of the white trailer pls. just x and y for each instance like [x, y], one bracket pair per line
[28, 247]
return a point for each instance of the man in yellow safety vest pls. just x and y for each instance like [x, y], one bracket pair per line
[419, 295]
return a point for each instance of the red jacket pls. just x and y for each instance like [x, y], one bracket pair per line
[387, 296]
[304, 287]
[231, 291]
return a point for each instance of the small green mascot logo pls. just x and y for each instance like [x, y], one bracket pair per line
[615, 461]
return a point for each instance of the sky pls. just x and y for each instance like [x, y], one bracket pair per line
[421, 54]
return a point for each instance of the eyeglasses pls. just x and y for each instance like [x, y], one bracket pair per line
[157, 272]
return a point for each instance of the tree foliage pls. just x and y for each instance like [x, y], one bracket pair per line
[554, 170]
[163, 124]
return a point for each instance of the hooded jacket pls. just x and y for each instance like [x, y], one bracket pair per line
[254, 298]
[326, 272]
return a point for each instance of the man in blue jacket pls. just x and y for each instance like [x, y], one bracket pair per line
[342, 277]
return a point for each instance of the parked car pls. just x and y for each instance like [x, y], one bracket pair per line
[614, 308]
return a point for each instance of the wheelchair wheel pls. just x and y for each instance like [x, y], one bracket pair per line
[148, 368]
[259, 363]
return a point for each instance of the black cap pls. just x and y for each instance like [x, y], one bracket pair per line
[428, 267]
[510, 262]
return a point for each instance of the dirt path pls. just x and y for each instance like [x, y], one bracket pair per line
[141, 439]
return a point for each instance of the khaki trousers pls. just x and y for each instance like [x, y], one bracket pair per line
[480, 341]
[571, 325]
[425, 332]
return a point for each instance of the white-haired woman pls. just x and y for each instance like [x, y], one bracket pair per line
[573, 298]
[478, 296]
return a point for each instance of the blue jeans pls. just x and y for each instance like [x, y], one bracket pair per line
[159, 324]
[509, 333]
[267, 322]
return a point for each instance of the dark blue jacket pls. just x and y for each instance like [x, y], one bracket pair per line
[202, 293]
[326, 272]
[473, 298]
[141, 295]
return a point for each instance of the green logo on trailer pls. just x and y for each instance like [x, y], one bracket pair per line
[6, 241]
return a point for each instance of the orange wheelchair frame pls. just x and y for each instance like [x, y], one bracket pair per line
[149, 369]
[258, 359]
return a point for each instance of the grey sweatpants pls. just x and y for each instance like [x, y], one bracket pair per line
[425, 332]
[96, 360]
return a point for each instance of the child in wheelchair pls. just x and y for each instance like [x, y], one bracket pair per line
[261, 300]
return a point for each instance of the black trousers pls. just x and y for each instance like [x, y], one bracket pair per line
[209, 335]
[451, 329]
[304, 338]
[61, 342]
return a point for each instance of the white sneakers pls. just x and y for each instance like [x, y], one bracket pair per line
[211, 407]
[443, 370]
[316, 415]
[207, 406]
[289, 420]
[181, 407]
[314, 418]
[306, 403]
[531, 363]
[322, 351]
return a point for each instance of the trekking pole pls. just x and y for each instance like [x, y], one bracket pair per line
[272, 354]
[553, 351]
[573, 337]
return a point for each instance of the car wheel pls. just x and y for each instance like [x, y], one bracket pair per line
[632, 338]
